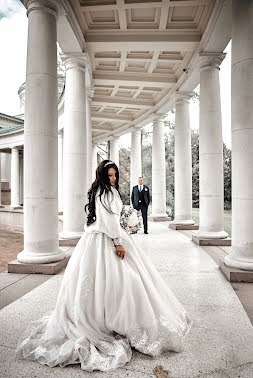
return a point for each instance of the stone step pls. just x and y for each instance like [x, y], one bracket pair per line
[204, 241]
[50, 268]
[183, 226]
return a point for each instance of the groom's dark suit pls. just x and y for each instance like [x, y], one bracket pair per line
[140, 201]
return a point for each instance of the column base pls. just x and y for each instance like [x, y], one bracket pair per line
[44, 268]
[176, 226]
[159, 218]
[211, 241]
[68, 242]
[232, 262]
[40, 258]
[14, 207]
[70, 235]
[235, 274]
[183, 221]
[211, 235]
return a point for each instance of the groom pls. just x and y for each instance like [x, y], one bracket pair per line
[140, 200]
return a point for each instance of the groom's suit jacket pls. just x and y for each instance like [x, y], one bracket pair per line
[135, 197]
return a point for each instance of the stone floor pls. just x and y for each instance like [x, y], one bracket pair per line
[11, 243]
[220, 343]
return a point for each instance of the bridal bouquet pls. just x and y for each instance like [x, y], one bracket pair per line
[130, 219]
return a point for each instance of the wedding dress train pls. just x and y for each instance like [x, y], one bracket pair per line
[106, 304]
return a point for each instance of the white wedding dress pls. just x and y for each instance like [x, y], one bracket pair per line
[106, 304]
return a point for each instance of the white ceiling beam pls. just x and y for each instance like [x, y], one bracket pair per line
[101, 128]
[141, 37]
[133, 103]
[138, 92]
[143, 4]
[164, 14]
[115, 90]
[130, 79]
[185, 41]
[123, 61]
[121, 109]
[153, 62]
[159, 84]
[113, 117]
[122, 14]
[141, 59]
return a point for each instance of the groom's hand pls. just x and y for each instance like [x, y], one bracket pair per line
[120, 251]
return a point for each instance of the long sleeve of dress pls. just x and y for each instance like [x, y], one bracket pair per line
[108, 222]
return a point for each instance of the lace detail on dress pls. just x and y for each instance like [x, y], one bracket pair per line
[169, 336]
[86, 288]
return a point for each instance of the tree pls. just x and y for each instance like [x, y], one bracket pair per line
[124, 158]
[227, 177]
[195, 167]
[169, 165]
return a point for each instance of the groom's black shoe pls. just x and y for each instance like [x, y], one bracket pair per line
[145, 232]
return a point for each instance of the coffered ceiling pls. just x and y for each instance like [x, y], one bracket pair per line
[138, 50]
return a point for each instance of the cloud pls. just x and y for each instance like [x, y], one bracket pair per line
[13, 26]
[9, 8]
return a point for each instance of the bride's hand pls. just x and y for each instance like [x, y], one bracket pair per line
[120, 251]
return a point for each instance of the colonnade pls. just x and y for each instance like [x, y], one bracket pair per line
[77, 156]
[16, 175]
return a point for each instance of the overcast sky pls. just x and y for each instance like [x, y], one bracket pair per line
[13, 31]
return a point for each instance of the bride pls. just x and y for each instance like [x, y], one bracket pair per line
[111, 297]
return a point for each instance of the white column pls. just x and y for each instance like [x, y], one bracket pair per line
[135, 159]
[60, 171]
[0, 182]
[158, 172]
[75, 147]
[4, 166]
[15, 177]
[211, 184]
[21, 178]
[94, 161]
[89, 95]
[41, 244]
[242, 136]
[183, 161]
[114, 150]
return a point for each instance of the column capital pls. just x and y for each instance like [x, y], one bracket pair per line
[90, 93]
[79, 61]
[183, 97]
[48, 6]
[135, 130]
[115, 137]
[210, 60]
[158, 117]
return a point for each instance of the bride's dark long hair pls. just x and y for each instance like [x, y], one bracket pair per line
[101, 184]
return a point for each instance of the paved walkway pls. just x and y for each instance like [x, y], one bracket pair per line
[220, 343]
[11, 243]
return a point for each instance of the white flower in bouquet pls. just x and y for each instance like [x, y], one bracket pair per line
[130, 220]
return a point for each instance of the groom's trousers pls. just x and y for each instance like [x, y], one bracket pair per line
[144, 213]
